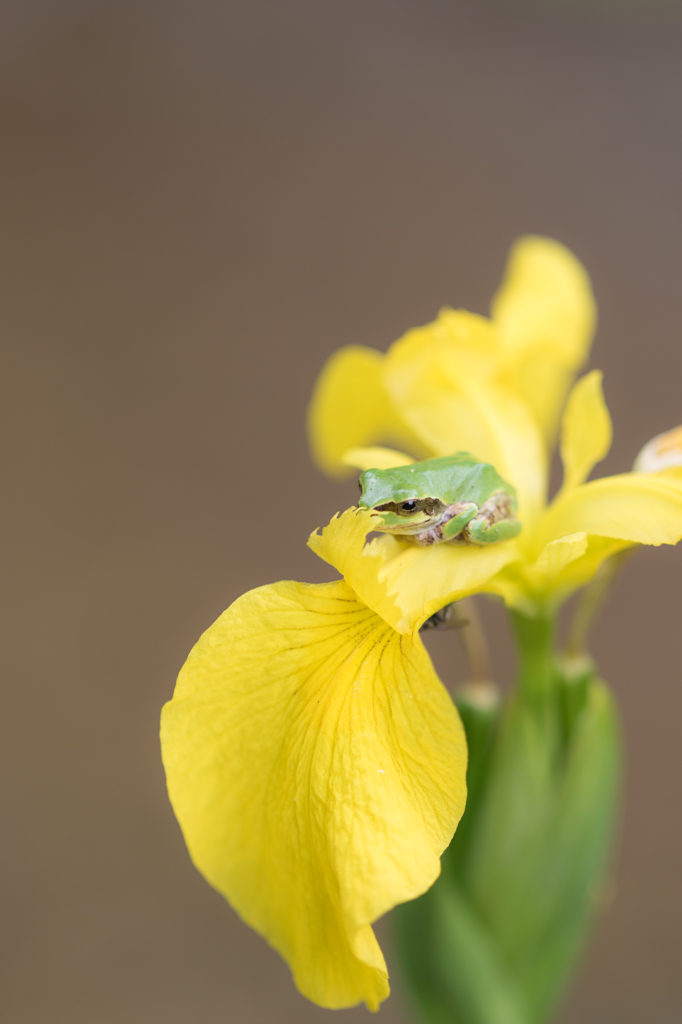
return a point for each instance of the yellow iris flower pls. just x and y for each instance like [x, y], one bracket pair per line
[495, 388]
[314, 760]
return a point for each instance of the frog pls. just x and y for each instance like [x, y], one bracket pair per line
[452, 498]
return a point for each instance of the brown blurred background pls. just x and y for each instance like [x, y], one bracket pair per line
[200, 202]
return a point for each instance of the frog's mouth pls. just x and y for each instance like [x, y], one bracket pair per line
[427, 514]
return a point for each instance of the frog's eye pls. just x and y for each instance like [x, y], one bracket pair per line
[409, 506]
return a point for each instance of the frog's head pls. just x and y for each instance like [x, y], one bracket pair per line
[399, 497]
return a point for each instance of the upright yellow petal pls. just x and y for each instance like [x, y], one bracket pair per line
[545, 314]
[545, 299]
[403, 583]
[586, 431]
[440, 378]
[317, 767]
[350, 408]
[634, 507]
[428, 373]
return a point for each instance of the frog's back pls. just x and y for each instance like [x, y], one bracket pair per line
[450, 478]
[460, 477]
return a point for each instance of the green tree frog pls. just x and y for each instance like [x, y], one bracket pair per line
[449, 498]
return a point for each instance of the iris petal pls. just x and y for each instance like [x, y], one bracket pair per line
[545, 299]
[558, 554]
[563, 566]
[317, 767]
[586, 430]
[635, 507]
[351, 408]
[441, 381]
[545, 314]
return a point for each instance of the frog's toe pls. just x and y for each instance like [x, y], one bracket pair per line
[480, 531]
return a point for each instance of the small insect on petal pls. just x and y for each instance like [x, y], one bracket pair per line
[663, 452]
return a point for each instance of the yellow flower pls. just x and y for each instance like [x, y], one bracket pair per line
[495, 388]
[317, 768]
[314, 760]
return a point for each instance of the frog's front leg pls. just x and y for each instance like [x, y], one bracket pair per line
[460, 514]
[449, 526]
[494, 522]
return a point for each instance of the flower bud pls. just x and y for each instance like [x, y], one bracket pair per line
[663, 452]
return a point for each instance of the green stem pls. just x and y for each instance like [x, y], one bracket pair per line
[535, 646]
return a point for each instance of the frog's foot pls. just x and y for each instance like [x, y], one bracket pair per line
[494, 522]
[480, 532]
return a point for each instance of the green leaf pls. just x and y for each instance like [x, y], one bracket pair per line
[496, 938]
[454, 968]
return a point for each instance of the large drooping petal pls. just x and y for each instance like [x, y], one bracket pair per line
[403, 583]
[441, 377]
[545, 315]
[351, 408]
[317, 767]
[586, 430]
[636, 507]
